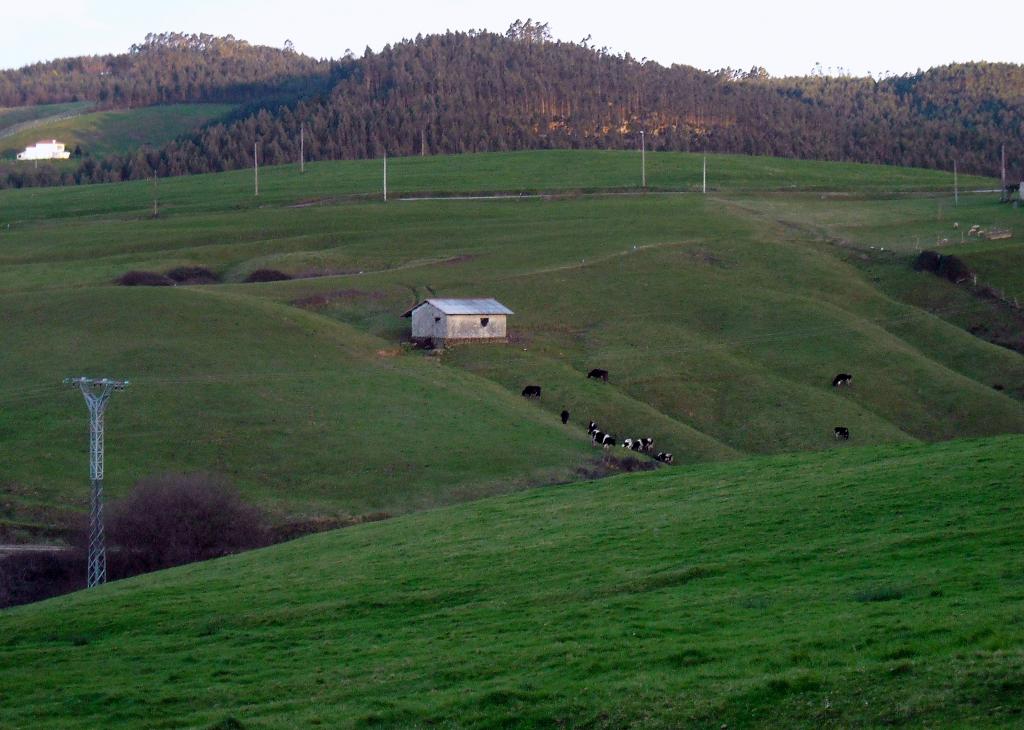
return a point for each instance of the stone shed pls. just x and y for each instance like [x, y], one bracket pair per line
[443, 321]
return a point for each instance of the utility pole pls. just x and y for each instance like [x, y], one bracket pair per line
[956, 187]
[97, 393]
[643, 160]
[302, 150]
[255, 169]
[1003, 167]
[156, 207]
[385, 176]
[704, 182]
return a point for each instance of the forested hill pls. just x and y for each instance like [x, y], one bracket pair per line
[480, 91]
[167, 68]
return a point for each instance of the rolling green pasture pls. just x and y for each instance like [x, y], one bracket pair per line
[119, 131]
[722, 319]
[882, 237]
[512, 173]
[14, 115]
[866, 587]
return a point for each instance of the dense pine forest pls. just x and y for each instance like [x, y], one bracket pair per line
[168, 68]
[479, 91]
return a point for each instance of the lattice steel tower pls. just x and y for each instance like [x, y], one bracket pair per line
[97, 392]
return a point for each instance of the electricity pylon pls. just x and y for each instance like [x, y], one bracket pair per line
[97, 392]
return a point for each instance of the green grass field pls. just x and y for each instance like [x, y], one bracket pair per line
[722, 319]
[17, 115]
[866, 587]
[115, 132]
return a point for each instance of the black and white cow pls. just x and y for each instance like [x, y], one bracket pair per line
[565, 416]
[592, 428]
[646, 444]
[842, 379]
[598, 374]
[664, 457]
[627, 443]
[531, 391]
[841, 432]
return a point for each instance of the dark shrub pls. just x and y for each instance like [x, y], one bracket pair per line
[950, 267]
[144, 278]
[927, 261]
[28, 577]
[955, 269]
[176, 519]
[193, 275]
[261, 275]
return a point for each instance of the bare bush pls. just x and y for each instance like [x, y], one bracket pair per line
[262, 275]
[144, 278]
[193, 275]
[927, 261]
[180, 518]
[951, 267]
[34, 576]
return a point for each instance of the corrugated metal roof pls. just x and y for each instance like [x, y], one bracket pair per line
[465, 306]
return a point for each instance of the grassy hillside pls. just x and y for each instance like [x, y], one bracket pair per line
[882, 237]
[721, 325]
[16, 116]
[515, 173]
[861, 588]
[119, 132]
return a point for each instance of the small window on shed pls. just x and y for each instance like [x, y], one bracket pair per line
[484, 321]
[437, 319]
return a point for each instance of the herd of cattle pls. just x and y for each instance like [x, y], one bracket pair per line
[645, 445]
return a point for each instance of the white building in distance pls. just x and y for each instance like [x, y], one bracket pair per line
[443, 321]
[47, 149]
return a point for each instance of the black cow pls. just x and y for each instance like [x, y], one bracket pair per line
[842, 379]
[646, 444]
[841, 432]
[664, 457]
[531, 391]
[598, 374]
[565, 416]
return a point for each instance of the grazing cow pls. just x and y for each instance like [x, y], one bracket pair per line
[647, 444]
[627, 443]
[531, 391]
[841, 432]
[592, 428]
[637, 445]
[664, 457]
[598, 374]
[565, 416]
[608, 440]
[596, 436]
[842, 379]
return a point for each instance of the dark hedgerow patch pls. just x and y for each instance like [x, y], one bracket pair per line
[262, 275]
[878, 594]
[193, 275]
[951, 267]
[144, 278]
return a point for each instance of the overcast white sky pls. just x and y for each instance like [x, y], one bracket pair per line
[787, 37]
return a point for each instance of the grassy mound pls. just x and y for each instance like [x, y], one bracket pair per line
[115, 132]
[867, 587]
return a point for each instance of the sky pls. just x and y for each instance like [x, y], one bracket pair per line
[786, 37]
